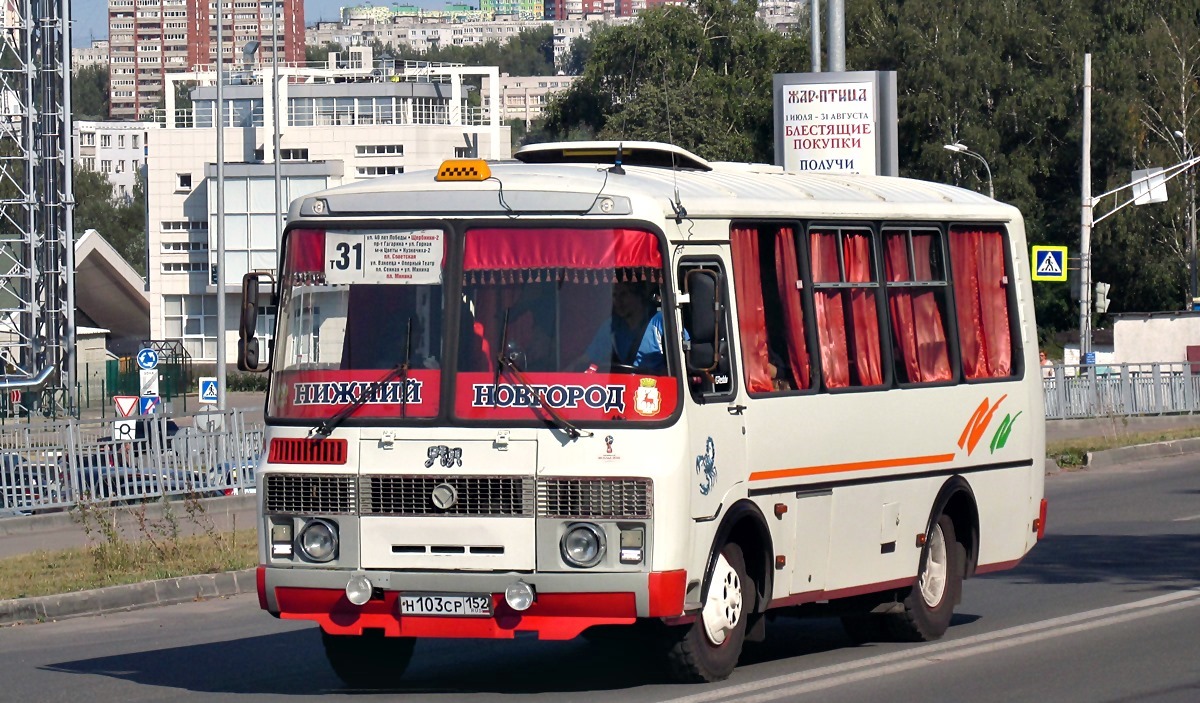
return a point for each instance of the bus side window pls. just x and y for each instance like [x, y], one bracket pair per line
[707, 360]
[845, 298]
[771, 315]
[978, 263]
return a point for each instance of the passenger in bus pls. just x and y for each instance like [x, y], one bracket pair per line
[633, 336]
[531, 327]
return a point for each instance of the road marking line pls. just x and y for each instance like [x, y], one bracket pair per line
[894, 662]
[1186, 519]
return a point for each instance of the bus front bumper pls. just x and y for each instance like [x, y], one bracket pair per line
[561, 610]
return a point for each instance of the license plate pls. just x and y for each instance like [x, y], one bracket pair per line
[457, 605]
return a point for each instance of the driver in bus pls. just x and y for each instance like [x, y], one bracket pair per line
[633, 337]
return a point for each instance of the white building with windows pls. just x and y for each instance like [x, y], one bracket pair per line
[116, 149]
[338, 126]
[94, 55]
[524, 97]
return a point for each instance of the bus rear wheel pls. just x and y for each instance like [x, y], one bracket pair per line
[708, 649]
[929, 605]
[369, 660]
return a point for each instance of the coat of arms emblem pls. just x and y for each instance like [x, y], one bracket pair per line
[647, 400]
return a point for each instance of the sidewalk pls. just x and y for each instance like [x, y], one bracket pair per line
[57, 531]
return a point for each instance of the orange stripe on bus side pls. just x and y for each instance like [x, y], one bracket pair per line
[853, 466]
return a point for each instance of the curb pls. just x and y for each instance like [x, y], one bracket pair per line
[1112, 458]
[133, 596]
[1124, 455]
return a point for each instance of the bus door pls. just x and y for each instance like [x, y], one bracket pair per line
[776, 349]
[715, 417]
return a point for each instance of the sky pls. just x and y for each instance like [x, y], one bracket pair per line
[91, 16]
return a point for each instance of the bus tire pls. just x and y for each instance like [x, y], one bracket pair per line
[709, 648]
[369, 660]
[929, 605]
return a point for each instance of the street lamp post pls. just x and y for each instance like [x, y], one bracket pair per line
[1188, 154]
[960, 148]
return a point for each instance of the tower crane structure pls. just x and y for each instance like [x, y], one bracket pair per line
[37, 296]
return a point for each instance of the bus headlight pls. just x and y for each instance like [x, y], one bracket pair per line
[582, 545]
[519, 596]
[359, 589]
[318, 540]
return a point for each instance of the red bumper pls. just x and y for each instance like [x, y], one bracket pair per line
[554, 616]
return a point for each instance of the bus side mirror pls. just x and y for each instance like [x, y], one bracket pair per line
[701, 286]
[247, 347]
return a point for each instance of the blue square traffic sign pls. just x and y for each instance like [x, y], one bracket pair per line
[1049, 263]
[208, 390]
[148, 404]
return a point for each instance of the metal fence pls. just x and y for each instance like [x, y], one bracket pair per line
[1121, 389]
[55, 465]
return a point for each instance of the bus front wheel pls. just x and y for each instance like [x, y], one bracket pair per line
[929, 605]
[708, 649]
[369, 660]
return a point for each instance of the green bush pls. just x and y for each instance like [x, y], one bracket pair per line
[253, 382]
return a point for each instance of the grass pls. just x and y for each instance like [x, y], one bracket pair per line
[68, 570]
[1072, 453]
[159, 550]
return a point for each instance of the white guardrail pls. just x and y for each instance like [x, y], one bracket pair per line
[1074, 391]
[55, 465]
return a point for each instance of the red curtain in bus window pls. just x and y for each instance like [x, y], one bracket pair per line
[787, 272]
[752, 322]
[521, 256]
[933, 351]
[982, 303]
[867, 357]
[306, 251]
[916, 318]
[831, 318]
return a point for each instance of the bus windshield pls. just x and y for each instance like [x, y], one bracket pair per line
[553, 324]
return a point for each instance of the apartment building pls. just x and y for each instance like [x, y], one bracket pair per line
[150, 38]
[116, 149]
[423, 31]
[524, 97]
[337, 125]
[95, 54]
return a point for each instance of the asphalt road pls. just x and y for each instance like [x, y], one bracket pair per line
[1106, 609]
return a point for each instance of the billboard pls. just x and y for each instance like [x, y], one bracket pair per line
[836, 122]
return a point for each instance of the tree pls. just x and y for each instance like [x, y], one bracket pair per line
[314, 55]
[579, 56]
[89, 93]
[699, 75]
[122, 221]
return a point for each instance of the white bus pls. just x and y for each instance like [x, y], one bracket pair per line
[614, 384]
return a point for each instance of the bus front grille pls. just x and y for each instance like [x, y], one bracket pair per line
[595, 498]
[475, 496]
[309, 494]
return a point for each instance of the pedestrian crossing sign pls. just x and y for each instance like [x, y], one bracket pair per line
[208, 390]
[1049, 263]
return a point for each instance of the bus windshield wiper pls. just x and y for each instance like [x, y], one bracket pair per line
[558, 420]
[400, 370]
[500, 355]
[404, 368]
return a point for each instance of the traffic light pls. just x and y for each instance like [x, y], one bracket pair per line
[1102, 297]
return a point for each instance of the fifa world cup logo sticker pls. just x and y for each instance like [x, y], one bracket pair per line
[608, 444]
